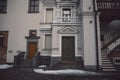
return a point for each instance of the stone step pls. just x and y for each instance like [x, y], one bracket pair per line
[67, 65]
[104, 58]
[106, 62]
[107, 65]
[26, 63]
[109, 69]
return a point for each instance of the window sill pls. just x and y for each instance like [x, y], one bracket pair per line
[33, 11]
[3, 12]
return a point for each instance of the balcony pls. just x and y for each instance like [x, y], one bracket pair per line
[66, 0]
[68, 20]
[105, 5]
[46, 26]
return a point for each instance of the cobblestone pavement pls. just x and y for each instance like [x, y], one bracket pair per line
[28, 74]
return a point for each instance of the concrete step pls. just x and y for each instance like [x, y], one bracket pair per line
[109, 69]
[104, 58]
[105, 62]
[68, 65]
[107, 65]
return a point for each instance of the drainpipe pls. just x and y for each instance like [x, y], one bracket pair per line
[96, 35]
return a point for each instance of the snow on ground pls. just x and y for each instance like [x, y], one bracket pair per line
[42, 66]
[64, 71]
[5, 66]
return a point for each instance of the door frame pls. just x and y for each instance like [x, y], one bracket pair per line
[60, 45]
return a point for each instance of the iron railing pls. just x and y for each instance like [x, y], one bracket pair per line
[110, 39]
[108, 5]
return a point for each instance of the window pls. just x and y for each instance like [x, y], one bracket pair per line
[48, 41]
[1, 39]
[33, 33]
[66, 15]
[33, 6]
[3, 6]
[49, 15]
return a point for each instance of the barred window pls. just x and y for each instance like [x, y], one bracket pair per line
[33, 6]
[3, 6]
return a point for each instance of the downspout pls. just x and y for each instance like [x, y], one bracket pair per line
[96, 35]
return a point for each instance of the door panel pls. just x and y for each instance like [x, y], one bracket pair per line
[68, 48]
[32, 49]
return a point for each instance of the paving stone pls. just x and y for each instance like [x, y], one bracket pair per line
[23, 74]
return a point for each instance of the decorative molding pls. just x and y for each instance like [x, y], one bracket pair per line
[29, 37]
[68, 30]
[88, 13]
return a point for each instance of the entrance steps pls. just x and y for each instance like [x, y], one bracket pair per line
[67, 65]
[107, 64]
[26, 63]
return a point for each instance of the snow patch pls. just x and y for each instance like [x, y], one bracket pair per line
[5, 66]
[65, 71]
[42, 66]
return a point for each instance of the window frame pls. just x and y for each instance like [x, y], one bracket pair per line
[46, 16]
[66, 17]
[3, 6]
[44, 41]
[34, 5]
[32, 33]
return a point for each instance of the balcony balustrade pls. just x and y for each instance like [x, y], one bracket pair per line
[104, 5]
[68, 20]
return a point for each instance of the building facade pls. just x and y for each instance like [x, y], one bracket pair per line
[61, 30]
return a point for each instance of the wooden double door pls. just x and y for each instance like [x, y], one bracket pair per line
[68, 48]
[32, 49]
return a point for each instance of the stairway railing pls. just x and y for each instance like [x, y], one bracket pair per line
[109, 39]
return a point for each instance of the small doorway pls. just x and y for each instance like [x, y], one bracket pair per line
[3, 46]
[68, 48]
[32, 49]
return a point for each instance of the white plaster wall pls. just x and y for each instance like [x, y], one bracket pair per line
[87, 5]
[18, 22]
[89, 33]
[55, 41]
[89, 41]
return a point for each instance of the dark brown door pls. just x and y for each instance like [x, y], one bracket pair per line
[3, 46]
[32, 49]
[68, 48]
